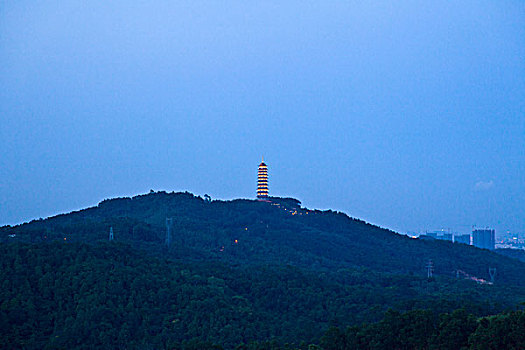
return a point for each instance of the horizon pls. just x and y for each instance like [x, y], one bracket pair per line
[254, 199]
[409, 117]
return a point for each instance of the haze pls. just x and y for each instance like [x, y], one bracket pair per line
[407, 114]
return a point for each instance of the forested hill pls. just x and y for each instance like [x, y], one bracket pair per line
[111, 296]
[242, 274]
[278, 231]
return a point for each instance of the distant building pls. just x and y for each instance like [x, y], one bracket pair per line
[432, 234]
[262, 181]
[445, 237]
[465, 239]
[426, 237]
[485, 238]
[442, 235]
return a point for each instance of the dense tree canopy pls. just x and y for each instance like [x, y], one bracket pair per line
[74, 295]
[245, 274]
[420, 329]
[280, 231]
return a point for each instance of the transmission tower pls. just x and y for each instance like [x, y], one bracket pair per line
[111, 233]
[169, 222]
[492, 273]
[430, 268]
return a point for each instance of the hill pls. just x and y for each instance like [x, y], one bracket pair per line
[254, 232]
[109, 296]
[513, 253]
[234, 272]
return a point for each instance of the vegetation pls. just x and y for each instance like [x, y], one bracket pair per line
[246, 275]
[278, 232]
[74, 295]
[513, 253]
[420, 329]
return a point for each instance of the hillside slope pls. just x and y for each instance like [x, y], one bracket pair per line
[110, 296]
[234, 272]
[255, 232]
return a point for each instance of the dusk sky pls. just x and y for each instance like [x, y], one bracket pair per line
[406, 114]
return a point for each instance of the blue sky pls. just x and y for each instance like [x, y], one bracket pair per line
[407, 114]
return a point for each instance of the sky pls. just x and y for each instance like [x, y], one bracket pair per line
[407, 114]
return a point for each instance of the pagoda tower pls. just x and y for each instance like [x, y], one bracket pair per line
[262, 181]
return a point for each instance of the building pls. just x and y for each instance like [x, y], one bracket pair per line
[262, 181]
[426, 237]
[465, 239]
[442, 235]
[445, 237]
[433, 234]
[485, 238]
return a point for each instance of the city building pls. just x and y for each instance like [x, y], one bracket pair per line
[445, 237]
[426, 237]
[262, 181]
[484, 238]
[465, 239]
[442, 235]
[433, 234]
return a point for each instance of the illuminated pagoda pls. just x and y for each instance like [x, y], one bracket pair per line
[262, 181]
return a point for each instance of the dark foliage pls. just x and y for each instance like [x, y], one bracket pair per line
[512, 253]
[242, 274]
[279, 231]
[420, 329]
[74, 295]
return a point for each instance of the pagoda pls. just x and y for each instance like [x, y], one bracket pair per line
[262, 181]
